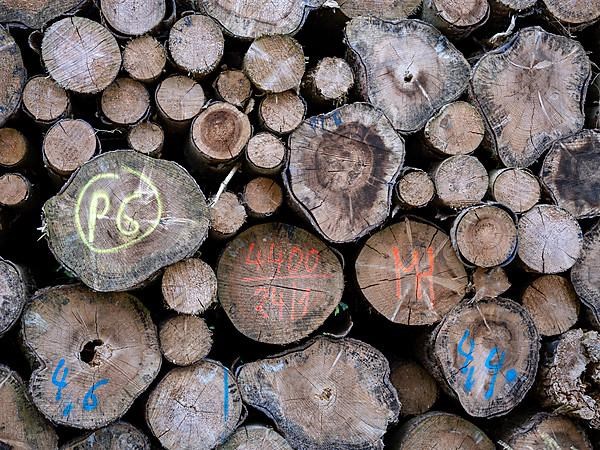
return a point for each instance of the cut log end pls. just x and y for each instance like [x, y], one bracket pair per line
[417, 390]
[189, 286]
[133, 18]
[414, 189]
[255, 437]
[329, 81]
[12, 74]
[147, 138]
[585, 276]
[68, 145]
[227, 216]
[233, 86]
[178, 100]
[460, 181]
[15, 190]
[144, 59]
[125, 102]
[14, 148]
[14, 292]
[38, 13]
[456, 19]
[282, 113]
[489, 282]
[266, 154]
[262, 197]
[386, 9]
[44, 100]
[115, 436]
[517, 189]
[185, 339]
[576, 14]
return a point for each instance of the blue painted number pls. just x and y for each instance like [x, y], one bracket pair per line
[90, 401]
[60, 384]
[467, 368]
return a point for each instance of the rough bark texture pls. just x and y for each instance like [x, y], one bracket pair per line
[262, 197]
[144, 59]
[14, 292]
[44, 100]
[456, 19]
[14, 148]
[255, 437]
[148, 212]
[281, 113]
[185, 339]
[68, 145]
[417, 390]
[585, 274]
[266, 154]
[460, 181]
[147, 138]
[227, 216]
[133, 17]
[310, 391]
[117, 436]
[517, 189]
[178, 100]
[189, 286]
[415, 188]
[12, 74]
[125, 102]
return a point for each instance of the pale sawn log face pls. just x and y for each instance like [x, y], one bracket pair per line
[585, 274]
[386, 9]
[255, 437]
[123, 217]
[94, 354]
[12, 74]
[116, 436]
[13, 294]
[336, 382]
[342, 170]
[35, 13]
[133, 17]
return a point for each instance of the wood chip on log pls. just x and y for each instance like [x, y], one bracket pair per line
[585, 275]
[275, 64]
[116, 436]
[487, 354]
[81, 55]
[574, 15]
[457, 129]
[147, 138]
[15, 191]
[36, 14]
[44, 100]
[255, 437]
[125, 102]
[278, 283]
[144, 59]
[417, 390]
[281, 113]
[21, 424]
[414, 189]
[550, 239]
[456, 19]
[178, 100]
[342, 170]
[227, 216]
[385, 9]
[123, 217]
[93, 353]
[460, 181]
[262, 197]
[489, 282]
[485, 236]
[12, 74]
[517, 189]
[248, 19]
[194, 408]
[133, 17]
[408, 69]
[410, 273]
[328, 82]
[189, 286]
[570, 173]
[440, 430]
[310, 391]
[233, 86]
[531, 93]
[185, 339]
[15, 288]
[265, 154]
[14, 148]
[196, 45]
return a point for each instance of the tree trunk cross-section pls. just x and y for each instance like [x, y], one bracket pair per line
[410, 273]
[123, 217]
[278, 283]
[456, 18]
[585, 274]
[385, 9]
[117, 436]
[328, 395]
[14, 292]
[12, 74]
[35, 13]
[44, 100]
[417, 390]
[574, 14]
[342, 170]
[487, 353]
[517, 189]
[255, 437]
[189, 286]
[407, 68]
[94, 353]
[133, 17]
[531, 93]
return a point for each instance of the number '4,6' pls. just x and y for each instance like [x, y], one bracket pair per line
[59, 379]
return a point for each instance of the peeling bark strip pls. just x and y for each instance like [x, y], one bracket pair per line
[531, 92]
[328, 395]
[94, 354]
[249, 19]
[342, 169]
[255, 437]
[12, 74]
[14, 292]
[487, 353]
[133, 17]
[278, 283]
[21, 424]
[123, 217]
[585, 274]
[35, 14]
[119, 435]
[408, 69]
[410, 273]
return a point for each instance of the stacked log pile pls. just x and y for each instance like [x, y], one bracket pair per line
[299, 224]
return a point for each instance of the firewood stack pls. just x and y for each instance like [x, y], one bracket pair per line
[299, 224]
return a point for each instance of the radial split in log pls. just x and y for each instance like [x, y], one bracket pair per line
[460, 181]
[329, 82]
[14, 292]
[144, 59]
[189, 286]
[227, 216]
[21, 424]
[550, 239]
[265, 154]
[489, 282]
[196, 45]
[15, 190]
[456, 19]
[133, 17]
[68, 145]
[99, 355]
[281, 113]
[440, 430]
[14, 148]
[255, 437]
[385, 9]
[123, 217]
[517, 189]
[278, 283]
[408, 69]
[410, 273]
[185, 339]
[585, 274]
[487, 353]
[262, 197]
[195, 407]
[417, 390]
[44, 100]
[248, 19]
[178, 100]
[12, 74]
[117, 436]
[485, 236]
[233, 86]
[342, 169]
[275, 64]
[415, 188]
[35, 14]
[574, 14]
[147, 138]
[125, 102]
[570, 172]
[81, 55]
[531, 93]
[308, 392]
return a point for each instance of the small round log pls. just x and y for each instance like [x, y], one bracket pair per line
[12, 74]
[68, 145]
[233, 86]
[125, 102]
[585, 276]
[189, 286]
[329, 82]
[460, 181]
[281, 113]
[552, 304]
[489, 282]
[81, 55]
[265, 154]
[37, 13]
[456, 19]
[417, 390]
[196, 407]
[133, 17]
[14, 148]
[278, 283]
[144, 59]
[227, 216]
[147, 138]
[575, 14]
[15, 191]
[385, 9]
[116, 436]
[309, 391]
[410, 273]
[550, 239]
[262, 197]
[517, 189]
[275, 64]
[255, 437]
[185, 339]
[99, 355]
[414, 189]
[14, 292]
[178, 100]
[44, 100]
[196, 45]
